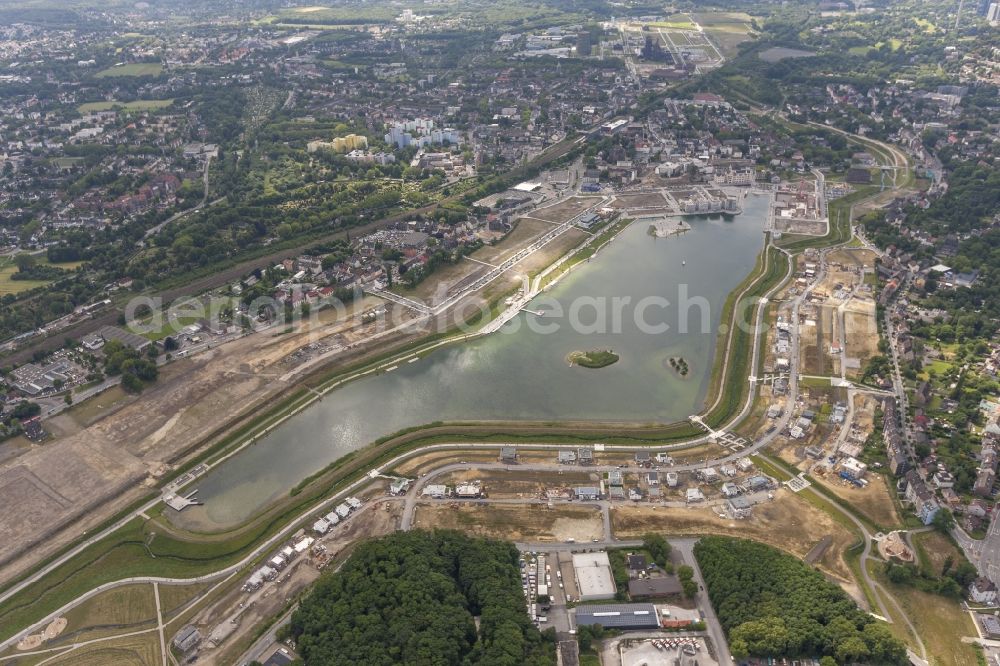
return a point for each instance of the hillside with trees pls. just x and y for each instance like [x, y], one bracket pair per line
[774, 605]
[412, 598]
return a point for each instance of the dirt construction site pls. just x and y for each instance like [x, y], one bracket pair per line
[515, 522]
[109, 451]
[788, 522]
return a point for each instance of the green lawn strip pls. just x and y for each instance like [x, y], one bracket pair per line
[853, 559]
[603, 238]
[114, 557]
[815, 382]
[734, 386]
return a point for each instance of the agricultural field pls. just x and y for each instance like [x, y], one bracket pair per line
[137, 105]
[515, 522]
[132, 69]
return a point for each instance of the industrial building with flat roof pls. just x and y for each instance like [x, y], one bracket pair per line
[593, 576]
[654, 588]
[618, 616]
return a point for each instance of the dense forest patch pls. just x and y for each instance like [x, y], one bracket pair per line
[774, 605]
[411, 598]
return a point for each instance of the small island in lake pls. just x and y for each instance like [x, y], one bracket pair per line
[595, 358]
[679, 365]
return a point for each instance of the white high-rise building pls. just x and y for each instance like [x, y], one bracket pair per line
[993, 14]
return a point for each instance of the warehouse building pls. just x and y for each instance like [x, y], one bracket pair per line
[593, 576]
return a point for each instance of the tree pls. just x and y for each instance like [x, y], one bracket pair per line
[131, 383]
[774, 605]
[657, 547]
[943, 521]
[411, 598]
[686, 575]
[26, 410]
[25, 262]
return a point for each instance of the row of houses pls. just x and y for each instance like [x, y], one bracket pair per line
[341, 512]
[899, 462]
[277, 563]
[470, 490]
[988, 458]
[918, 494]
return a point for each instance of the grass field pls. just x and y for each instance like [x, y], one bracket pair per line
[680, 24]
[727, 29]
[132, 69]
[8, 268]
[940, 622]
[934, 549]
[120, 607]
[67, 162]
[137, 105]
[141, 650]
[174, 597]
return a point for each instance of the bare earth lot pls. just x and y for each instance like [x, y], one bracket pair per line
[873, 502]
[517, 484]
[788, 523]
[645, 200]
[517, 522]
[565, 209]
[861, 330]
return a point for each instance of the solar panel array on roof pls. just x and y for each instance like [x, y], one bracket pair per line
[619, 616]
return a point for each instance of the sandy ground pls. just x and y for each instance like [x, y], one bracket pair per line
[52, 630]
[861, 328]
